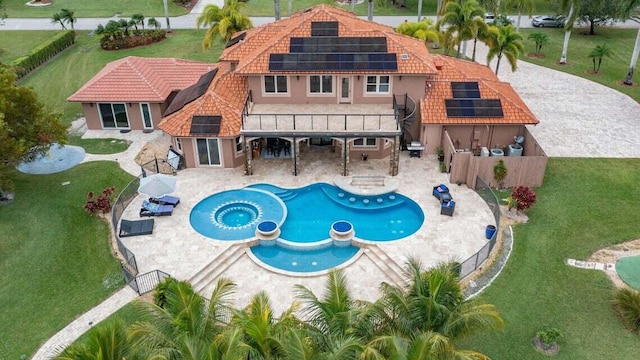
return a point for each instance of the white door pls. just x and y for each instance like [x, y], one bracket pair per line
[345, 90]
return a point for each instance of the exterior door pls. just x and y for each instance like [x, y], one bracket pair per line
[345, 90]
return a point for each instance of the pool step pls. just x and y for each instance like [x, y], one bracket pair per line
[368, 182]
[286, 195]
[388, 266]
[208, 274]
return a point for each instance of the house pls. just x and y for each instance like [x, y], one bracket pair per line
[132, 93]
[324, 78]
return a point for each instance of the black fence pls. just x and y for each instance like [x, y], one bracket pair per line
[475, 261]
[147, 282]
[129, 266]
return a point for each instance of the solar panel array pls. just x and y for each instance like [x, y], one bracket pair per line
[191, 93]
[209, 125]
[465, 90]
[324, 28]
[473, 107]
[341, 62]
[235, 40]
[335, 44]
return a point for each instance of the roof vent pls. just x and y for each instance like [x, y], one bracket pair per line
[404, 56]
[438, 65]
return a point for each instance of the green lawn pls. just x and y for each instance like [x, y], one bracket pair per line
[613, 69]
[584, 205]
[14, 44]
[93, 8]
[85, 58]
[57, 261]
[99, 145]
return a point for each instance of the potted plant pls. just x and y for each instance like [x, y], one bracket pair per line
[440, 154]
[443, 167]
[546, 340]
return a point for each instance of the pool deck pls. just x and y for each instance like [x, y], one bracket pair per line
[176, 248]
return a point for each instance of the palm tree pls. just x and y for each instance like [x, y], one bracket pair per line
[423, 30]
[526, 5]
[459, 18]
[504, 41]
[137, 19]
[68, 17]
[478, 30]
[573, 6]
[632, 12]
[540, 39]
[155, 23]
[57, 18]
[599, 52]
[107, 341]
[124, 25]
[223, 22]
[187, 327]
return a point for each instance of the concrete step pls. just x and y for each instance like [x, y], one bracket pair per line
[217, 266]
[394, 271]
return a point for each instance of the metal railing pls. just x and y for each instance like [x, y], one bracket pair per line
[320, 122]
[472, 263]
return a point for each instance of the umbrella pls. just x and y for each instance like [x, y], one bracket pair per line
[157, 185]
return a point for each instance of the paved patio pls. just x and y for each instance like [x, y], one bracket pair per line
[176, 248]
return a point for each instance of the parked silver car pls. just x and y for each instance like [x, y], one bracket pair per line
[548, 21]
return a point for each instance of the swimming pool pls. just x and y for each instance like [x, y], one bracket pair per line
[305, 217]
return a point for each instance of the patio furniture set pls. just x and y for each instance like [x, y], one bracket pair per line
[162, 206]
[447, 204]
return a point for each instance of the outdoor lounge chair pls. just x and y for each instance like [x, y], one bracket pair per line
[448, 208]
[439, 190]
[151, 209]
[166, 200]
[136, 227]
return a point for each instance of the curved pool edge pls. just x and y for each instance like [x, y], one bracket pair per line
[275, 270]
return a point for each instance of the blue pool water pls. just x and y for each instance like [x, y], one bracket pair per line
[305, 216]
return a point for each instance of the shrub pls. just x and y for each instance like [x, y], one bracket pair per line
[549, 336]
[626, 303]
[499, 171]
[524, 197]
[101, 203]
[43, 52]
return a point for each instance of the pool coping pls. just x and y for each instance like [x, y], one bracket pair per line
[391, 185]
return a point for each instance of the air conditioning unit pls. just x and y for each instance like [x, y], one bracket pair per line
[484, 152]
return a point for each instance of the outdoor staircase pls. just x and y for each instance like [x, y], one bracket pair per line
[210, 273]
[407, 112]
[386, 264]
[367, 182]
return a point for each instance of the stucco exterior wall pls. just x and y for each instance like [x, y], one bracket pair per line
[134, 114]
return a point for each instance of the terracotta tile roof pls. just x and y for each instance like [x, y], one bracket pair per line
[432, 106]
[134, 79]
[225, 97]
[252, 53]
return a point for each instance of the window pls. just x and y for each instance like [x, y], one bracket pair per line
[114, 116]
[179, 144]
[321, 84]
[378, 84]
[146, 116]
[208, 151]
[365, 142]
[239, 144]
[275, 84]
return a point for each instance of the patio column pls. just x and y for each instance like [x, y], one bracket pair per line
[248, 157]
[345, 157]
[294, 156]
[394, 157]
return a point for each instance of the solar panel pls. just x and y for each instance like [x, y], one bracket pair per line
[209, 125]
[335, 44]
[473, 108]
[465, 90]
[235, 40]
[333, 61]
[191, 93]
[324, 28]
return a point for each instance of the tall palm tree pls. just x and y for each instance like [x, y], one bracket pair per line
[223, 22]
[478, 31]
[504, 41]
[57, 18]
[458, 19]
[632, 11]
[68, 17]
[276, 5]
[423, 30]
[521, 5]
[573, 6]
[138, 19]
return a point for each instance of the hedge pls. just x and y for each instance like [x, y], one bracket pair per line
[43, 52]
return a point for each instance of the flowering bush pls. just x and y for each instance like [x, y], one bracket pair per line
[524, 197]
[101, 203]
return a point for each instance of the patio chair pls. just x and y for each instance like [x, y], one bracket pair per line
[448, 208]
[439, 190]
[166, 200]
[151, 209]
[135, 227]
